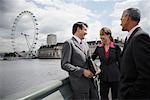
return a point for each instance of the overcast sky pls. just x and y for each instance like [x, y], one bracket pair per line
[58, 16]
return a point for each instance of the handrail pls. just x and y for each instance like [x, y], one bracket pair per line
[59, 86]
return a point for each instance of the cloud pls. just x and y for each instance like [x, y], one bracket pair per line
[94, 29]
[120, 6]
[105, 0]
[142, 5]
[58, 16]
[53, 18]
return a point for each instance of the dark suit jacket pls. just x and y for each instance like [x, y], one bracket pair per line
[135, 67]
[109, 69]
[74, 60]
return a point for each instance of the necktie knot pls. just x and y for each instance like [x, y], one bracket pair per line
[81, 44]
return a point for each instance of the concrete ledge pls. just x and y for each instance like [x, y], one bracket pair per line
[59, 91]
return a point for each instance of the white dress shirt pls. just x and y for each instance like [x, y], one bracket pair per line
[81, 42]
[78, 39]
[130, 32]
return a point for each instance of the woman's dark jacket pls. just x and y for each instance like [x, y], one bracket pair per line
[109, 67]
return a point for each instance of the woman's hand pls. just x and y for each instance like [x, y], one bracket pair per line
[98, 71]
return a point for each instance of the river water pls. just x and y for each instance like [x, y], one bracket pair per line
[24, 76]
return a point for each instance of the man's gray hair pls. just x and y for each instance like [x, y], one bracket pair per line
[134, 13]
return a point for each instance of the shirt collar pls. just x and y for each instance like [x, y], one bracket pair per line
[77, 38]
[112, 45]
[130, 32]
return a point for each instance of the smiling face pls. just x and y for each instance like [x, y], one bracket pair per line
[82, 32]
[104, 37]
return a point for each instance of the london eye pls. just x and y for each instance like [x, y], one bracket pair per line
[21, 40]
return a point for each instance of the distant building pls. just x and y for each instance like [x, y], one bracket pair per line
[51, 39]
[54, 49]
[50, 51]
[92, 46]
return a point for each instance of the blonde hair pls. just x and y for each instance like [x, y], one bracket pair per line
[107, 31]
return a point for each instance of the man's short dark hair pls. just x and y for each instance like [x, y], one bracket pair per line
[134, 13]
[78, 24]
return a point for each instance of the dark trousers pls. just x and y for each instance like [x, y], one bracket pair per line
[104, 90]
[92, 94]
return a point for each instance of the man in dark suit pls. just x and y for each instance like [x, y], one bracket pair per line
[135, 61]
[75, 61]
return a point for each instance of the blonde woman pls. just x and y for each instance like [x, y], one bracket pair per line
[109, 55]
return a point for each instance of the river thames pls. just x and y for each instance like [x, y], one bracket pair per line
[21, 77]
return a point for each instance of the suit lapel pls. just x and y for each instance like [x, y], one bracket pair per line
[130, 38]
[78, 45]
[86, 48]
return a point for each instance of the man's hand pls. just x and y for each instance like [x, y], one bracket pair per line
[87, 73]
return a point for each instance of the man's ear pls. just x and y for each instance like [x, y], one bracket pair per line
[78, 29]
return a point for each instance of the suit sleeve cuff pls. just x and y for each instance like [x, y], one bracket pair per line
[81, 72]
